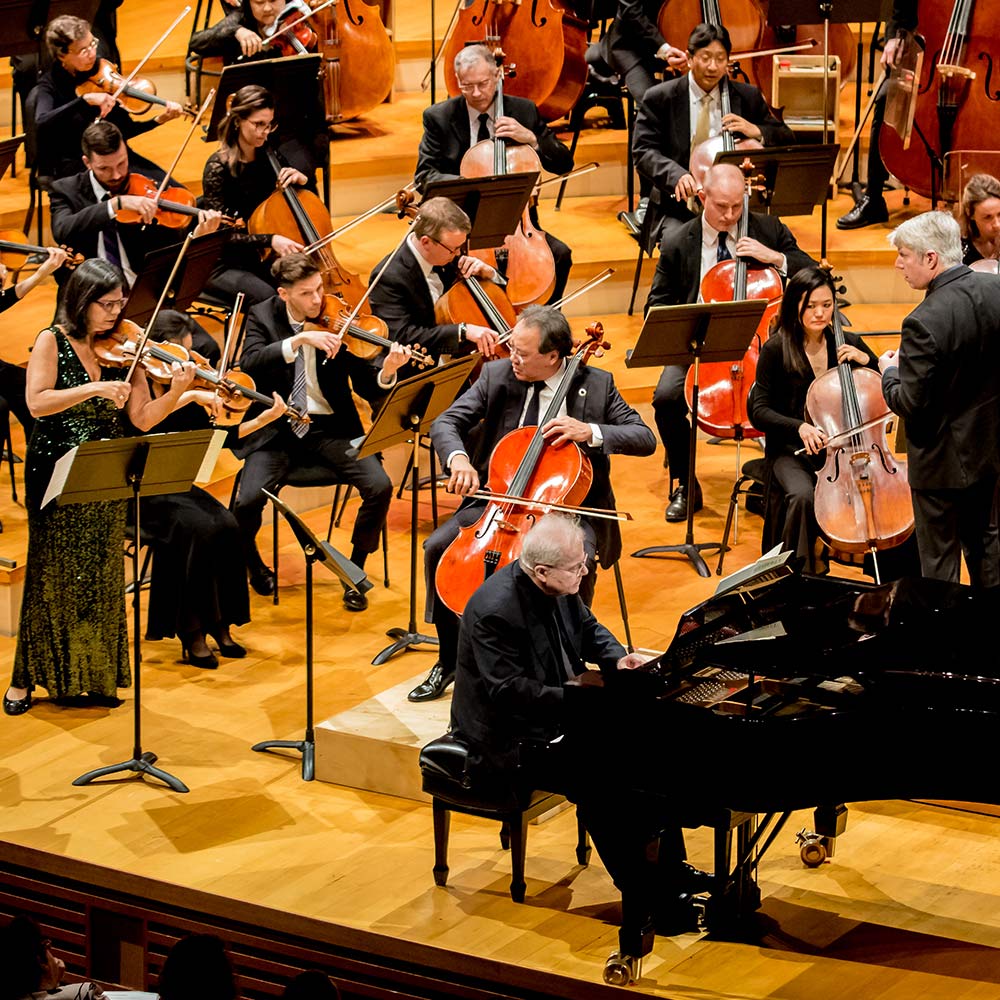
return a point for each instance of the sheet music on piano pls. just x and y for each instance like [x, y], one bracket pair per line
[771, 566]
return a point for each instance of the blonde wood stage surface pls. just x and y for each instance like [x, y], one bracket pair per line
[909, 906]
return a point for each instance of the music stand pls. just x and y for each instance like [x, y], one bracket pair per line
[152, 465]
[680, 335]
[202, 255]
[352, 577]
[494, 205]
[8, 150]
[794, 179]
[407, 414]
[24, 22]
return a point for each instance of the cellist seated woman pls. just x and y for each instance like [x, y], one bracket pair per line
[800, 351]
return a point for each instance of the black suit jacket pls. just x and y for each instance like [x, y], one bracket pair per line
[947, 385]
[509, 676]
[78, 219]
[661, 143]
[447, 137]
[262, 359]
[678, 271]
[633, 36]
[497, 399]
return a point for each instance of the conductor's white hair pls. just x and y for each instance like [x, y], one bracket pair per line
[550, 542]
[468, 57]
[930, 231]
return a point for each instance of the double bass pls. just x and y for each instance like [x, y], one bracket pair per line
[528, 474]
[957, 95]
[862, 498]
[543, 38]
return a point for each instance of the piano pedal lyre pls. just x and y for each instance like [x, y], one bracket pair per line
[622, 970]
[814, 849]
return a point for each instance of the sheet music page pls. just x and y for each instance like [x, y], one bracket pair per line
[212, 452]
[60, 473]
[757, 573]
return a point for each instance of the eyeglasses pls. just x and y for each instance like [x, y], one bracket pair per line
[266, 127]
[112, 305]
[91, 46]
[454, 251]
[575, 570]
[471, 88]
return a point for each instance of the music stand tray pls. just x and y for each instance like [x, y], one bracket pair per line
[352, 577]
[493, 204]
[152, 465]
[407, 414]
[796, 178]
[680, 335]
[8, 151]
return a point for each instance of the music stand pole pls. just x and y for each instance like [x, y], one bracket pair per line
[350, 575]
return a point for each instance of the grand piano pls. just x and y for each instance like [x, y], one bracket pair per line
[786, 692]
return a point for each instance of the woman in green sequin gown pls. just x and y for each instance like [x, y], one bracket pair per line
[73, 638]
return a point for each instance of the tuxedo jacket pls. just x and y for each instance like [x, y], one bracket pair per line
[496, 401]
[661, 144]
[447, 137]
[263, 360]
[78, 219]
[678, 271]
[510, 672]
[947, 383]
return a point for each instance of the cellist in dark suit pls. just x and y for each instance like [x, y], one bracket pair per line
[667, 124]
[310, 370]
[945, 384]
[452, 127]
[595, 417]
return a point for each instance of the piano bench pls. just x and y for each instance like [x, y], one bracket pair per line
[443, 769]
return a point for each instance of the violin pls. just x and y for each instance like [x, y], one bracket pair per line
[531, 269]
[528, 473]
[175, 212]
[365, 335]
[723, 386]
[545, 39]
[862, 498]
[290, 33]
[136, 96]
[17, 255]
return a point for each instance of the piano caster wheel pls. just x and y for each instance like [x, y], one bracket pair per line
[622, 970]
[813, 851]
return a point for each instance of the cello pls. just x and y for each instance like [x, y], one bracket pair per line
[544, 38]
[527, 474]
[723, 385]
[957, 97]
[862, 498]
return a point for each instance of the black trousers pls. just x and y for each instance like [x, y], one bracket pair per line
[445, 620]
[670, 410]
[268, 468]
[953, 523]
[793, 486]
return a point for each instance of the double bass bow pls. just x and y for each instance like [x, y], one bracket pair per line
[526, 475]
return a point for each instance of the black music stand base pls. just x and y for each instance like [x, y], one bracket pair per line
[691, 550]
[142, 763]
[306, 747]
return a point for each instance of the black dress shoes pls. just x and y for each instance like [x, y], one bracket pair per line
[207, 661]
[354, 600]
[18, 707]
[262, 580]
[677, 916]
[866, 212]
[677, 509]
[433, 687]
[693, 880]
[232, 650]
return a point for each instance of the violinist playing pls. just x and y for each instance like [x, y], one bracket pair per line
[676, 116]
[453, 126]
[243, 32]
[312, 369]
[515, 393]
[687, 254]
[60, 116]
[799, 351]
[85, 207]
[237, 178]
[979, 219]
[428, 264]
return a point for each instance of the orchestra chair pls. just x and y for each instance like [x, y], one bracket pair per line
[37, 184]
[194, 64]
[445, 777]
[647, 236]
[750, 485]
[310, 476]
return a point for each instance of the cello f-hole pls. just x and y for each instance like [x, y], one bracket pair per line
[883, 458]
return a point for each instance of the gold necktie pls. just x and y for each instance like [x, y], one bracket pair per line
[703, 128]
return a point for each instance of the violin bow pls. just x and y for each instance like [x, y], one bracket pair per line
[235, 319]
[299, 20]
[187, 139]
[607, 515]
[436, 56]
[596, 280]
[587, 168]
[168, 284]
[142, 62]
[838, 439]
[364, 217]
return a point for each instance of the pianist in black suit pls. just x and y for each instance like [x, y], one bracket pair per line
[452, 127]
[685, 258]
[793, 356]
[524, 634]
[670, 121]
[945, 384]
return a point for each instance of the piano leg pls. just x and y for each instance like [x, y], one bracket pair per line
[829, 822]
